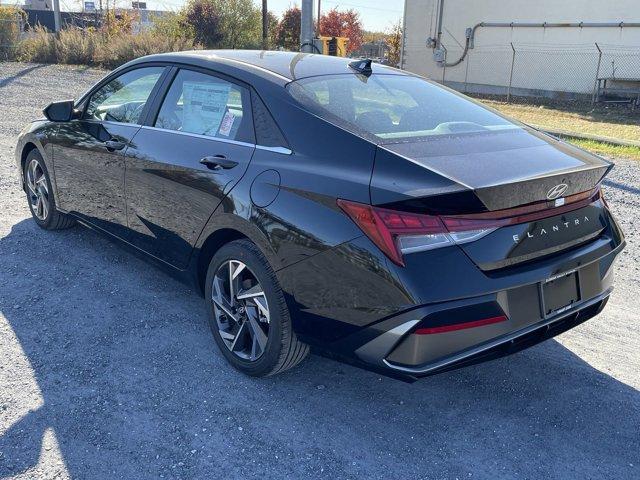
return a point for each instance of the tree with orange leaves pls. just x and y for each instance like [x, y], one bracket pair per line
[343, 24]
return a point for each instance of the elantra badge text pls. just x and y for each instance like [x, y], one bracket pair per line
[554, 229]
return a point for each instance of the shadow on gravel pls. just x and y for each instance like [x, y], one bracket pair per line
[621, 186]
[4, 81]
[133, 387]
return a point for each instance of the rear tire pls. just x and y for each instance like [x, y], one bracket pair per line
[40, 197]
[254, 306]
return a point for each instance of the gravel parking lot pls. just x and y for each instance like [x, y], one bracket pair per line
[108, 370]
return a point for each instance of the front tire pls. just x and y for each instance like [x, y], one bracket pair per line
[40, 195]
[248, 314]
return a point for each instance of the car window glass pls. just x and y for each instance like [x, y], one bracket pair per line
[320, 91]
[123, 99]
[267, 132]
[206, 105]
[394, 107]
[386, 102]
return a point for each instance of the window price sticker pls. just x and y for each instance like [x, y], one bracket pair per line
[227, 124]
[204, 106]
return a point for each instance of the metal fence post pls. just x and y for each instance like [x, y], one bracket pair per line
[444, 64]
[513, 61]
[594, 98]
[466, 71]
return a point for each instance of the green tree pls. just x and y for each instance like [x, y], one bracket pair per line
[273, 22]
[216, 23]
[173, 25]
[240, 23]
[288, 36]
[204, 19]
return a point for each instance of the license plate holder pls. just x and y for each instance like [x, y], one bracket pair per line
[559, 293]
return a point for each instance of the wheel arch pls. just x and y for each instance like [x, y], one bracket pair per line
[27, 148]
[210, 246]
[220, 230]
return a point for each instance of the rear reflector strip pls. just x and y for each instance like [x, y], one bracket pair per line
[461, 326]
[518, 215]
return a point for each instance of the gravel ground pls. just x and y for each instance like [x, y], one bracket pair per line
[108, 370]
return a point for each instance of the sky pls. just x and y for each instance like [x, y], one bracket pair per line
[377, 15]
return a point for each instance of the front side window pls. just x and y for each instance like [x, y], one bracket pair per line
[206, 105]
[123, 99]
[394, 108]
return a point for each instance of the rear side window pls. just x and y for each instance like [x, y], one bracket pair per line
[267, 132]
[123, 99]
[394, 108]
[207, 105]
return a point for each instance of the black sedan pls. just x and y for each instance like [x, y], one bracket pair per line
[319, 202]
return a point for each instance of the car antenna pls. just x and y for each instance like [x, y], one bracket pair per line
[362, 66]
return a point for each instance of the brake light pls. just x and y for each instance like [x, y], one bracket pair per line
[396, 233]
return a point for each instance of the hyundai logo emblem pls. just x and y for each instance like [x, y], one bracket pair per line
[557, 191]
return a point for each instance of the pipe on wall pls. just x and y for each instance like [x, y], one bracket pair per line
[471, 32]
[439, 23]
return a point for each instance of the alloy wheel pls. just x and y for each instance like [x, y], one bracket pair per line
[37, 190]
[241, 310]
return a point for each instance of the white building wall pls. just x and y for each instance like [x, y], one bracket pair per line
[37, 4]
[550, 59]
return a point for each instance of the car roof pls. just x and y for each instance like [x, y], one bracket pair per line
[287, 66]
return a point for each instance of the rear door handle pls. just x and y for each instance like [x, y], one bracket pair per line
[114, 145]
[218, 162]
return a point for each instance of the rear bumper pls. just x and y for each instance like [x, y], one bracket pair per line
[392, 345]
[507, 344]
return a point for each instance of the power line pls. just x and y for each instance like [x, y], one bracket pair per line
[339, 4]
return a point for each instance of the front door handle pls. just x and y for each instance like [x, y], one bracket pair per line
[218, 162]
[113, 145]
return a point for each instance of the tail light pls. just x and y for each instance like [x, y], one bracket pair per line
[397, 233]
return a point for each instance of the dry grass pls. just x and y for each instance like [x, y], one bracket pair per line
[9, 31]
[607, 149]
[607, 121]
[87, 47]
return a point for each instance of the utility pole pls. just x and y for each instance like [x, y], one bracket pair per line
[56, 15]
[265, 26]
[319, 16]
[306, 27]
[403, 36]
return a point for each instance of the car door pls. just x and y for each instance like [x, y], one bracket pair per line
[182, 164]
[89, 151]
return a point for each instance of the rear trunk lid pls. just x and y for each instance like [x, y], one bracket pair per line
[498, 175]
[501, 169]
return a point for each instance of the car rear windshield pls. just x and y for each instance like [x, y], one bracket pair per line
[394, 108]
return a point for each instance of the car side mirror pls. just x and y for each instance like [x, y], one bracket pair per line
[60, 111]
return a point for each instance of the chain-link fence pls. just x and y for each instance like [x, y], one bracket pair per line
[10, 32]
[595, 72]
